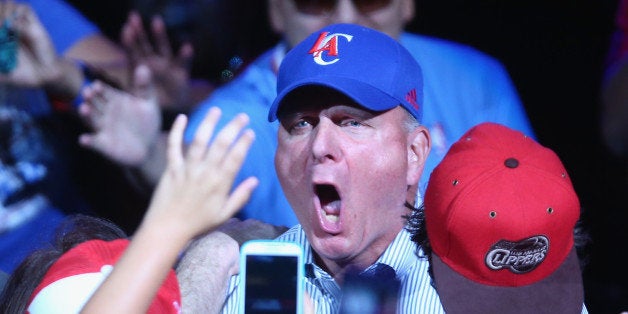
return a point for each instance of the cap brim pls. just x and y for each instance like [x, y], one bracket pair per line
[561, 292]
[363, 94]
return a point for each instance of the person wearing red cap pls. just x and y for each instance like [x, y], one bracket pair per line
[500, 215]
[105, 272]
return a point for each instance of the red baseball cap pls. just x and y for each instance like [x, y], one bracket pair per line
[500, 212]
[76, 275]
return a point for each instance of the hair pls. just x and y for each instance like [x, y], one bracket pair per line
[75, 230]
[415, 224]
[581, 240]
[410, 122]
[418, 234]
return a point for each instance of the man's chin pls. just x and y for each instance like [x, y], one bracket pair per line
[332, 247]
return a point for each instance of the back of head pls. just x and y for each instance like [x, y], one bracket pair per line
[27, 276]
[500, 213]
[295, 19]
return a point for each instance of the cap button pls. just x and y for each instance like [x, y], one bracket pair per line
[511, 163]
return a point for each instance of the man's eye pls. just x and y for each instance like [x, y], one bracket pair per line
[351, 123]
[299, 126]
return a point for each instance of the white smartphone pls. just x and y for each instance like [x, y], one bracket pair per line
[271, 277]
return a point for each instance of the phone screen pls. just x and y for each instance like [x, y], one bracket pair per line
[271, 284]
[272, 274]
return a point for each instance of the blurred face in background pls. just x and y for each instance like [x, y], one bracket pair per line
[296, 19]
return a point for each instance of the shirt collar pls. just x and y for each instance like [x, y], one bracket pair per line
[399, 254]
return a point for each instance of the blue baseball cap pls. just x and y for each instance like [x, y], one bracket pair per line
[368, 66]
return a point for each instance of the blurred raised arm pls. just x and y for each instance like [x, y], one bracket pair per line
[193, 197]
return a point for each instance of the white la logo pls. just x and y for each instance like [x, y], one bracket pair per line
[327, 43]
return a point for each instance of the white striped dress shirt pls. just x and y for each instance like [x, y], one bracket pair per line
[416, 294]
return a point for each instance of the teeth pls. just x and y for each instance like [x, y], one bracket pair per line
[331, 218]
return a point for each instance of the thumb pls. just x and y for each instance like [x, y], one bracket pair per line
[93, 141]
[143, 84]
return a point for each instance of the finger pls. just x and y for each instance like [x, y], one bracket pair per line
[143, 84]
[17, 16]
[141, 36]
[229, 166]
[161, 37]
[7, 10]
[127, 37]
[92, 107]
[233, 160]
[102, 96]
[185, 55]
[86, 140]
[175, 141]
[240, 195]
[20, 11]
[88, 94]
[136, 36]
[88, 115]
[203, 134]
[93, 141]
[225, 138]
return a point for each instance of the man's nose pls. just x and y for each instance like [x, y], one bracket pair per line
[325, 142]
[346, 12]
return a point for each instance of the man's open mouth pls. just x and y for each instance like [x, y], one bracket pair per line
[329, 200]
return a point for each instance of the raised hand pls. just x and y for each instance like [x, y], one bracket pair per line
[125, 126]
[38, 64]
[171, 73]
[196, 188]
[193, 197]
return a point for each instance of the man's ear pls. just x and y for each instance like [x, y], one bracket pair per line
[419, 145]
[275, 16]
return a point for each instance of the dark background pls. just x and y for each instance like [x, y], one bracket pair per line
[555, 52]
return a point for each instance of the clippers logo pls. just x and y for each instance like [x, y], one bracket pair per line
[518, 257]
[327, 43]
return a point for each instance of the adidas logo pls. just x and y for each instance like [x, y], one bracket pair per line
[411, 98]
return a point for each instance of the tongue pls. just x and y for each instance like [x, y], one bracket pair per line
[332, 208]
[330, 213]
